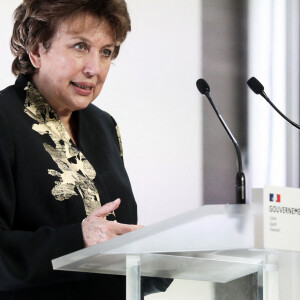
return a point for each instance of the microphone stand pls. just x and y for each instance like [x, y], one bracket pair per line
[240, 181]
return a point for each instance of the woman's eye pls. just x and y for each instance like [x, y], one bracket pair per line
[81, 46]
[106, 52]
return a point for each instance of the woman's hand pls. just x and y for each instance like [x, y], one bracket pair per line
[96, 229]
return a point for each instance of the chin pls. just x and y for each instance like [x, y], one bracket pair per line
[79, 105]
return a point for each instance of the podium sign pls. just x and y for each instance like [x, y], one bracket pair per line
[281, 218]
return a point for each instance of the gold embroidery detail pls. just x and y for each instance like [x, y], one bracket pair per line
[120, 140]
[76, 173]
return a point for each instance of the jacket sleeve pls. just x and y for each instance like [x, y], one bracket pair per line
[25, 257]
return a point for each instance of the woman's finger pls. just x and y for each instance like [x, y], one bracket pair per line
[119, 228]
[106, 209]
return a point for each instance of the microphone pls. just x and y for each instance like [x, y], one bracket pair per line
[240, 182]
[258, 88]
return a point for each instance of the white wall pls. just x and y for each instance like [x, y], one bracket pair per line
[7, 8]
[274, 59]
[264, 146]
[151, 92]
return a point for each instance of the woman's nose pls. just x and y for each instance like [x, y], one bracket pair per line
[92, 65]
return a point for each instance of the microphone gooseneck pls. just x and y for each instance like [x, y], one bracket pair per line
[204, 89]
[258, 88]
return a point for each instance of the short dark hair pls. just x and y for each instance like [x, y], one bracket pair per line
[36, 21]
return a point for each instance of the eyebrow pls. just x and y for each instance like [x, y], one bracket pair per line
[88, 41]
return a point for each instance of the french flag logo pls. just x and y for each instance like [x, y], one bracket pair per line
[275, 198]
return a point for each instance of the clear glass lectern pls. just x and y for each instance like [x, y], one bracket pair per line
[213, 243]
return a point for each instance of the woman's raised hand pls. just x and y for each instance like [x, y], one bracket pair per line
[96, 229]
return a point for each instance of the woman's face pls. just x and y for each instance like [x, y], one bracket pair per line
[71, 73]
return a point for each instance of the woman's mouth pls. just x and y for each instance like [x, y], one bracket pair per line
[82, 86]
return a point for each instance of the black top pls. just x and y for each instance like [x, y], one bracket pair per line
[40, 210]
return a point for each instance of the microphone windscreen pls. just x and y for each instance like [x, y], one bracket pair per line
[202, 86]
[255, 85]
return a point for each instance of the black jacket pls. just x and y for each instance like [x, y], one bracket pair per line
[34, 226]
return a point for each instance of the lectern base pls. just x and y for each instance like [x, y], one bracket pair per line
[133, 277]
[243, 287]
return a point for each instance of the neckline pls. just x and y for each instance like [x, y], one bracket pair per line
[39, 109]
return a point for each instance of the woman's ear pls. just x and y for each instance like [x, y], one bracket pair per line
[35, 55]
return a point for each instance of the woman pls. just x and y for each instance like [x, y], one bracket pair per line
[62, 174]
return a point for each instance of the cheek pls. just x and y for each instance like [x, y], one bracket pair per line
[105, 70]
[63, 66]
[102, 79]
[98, 89]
